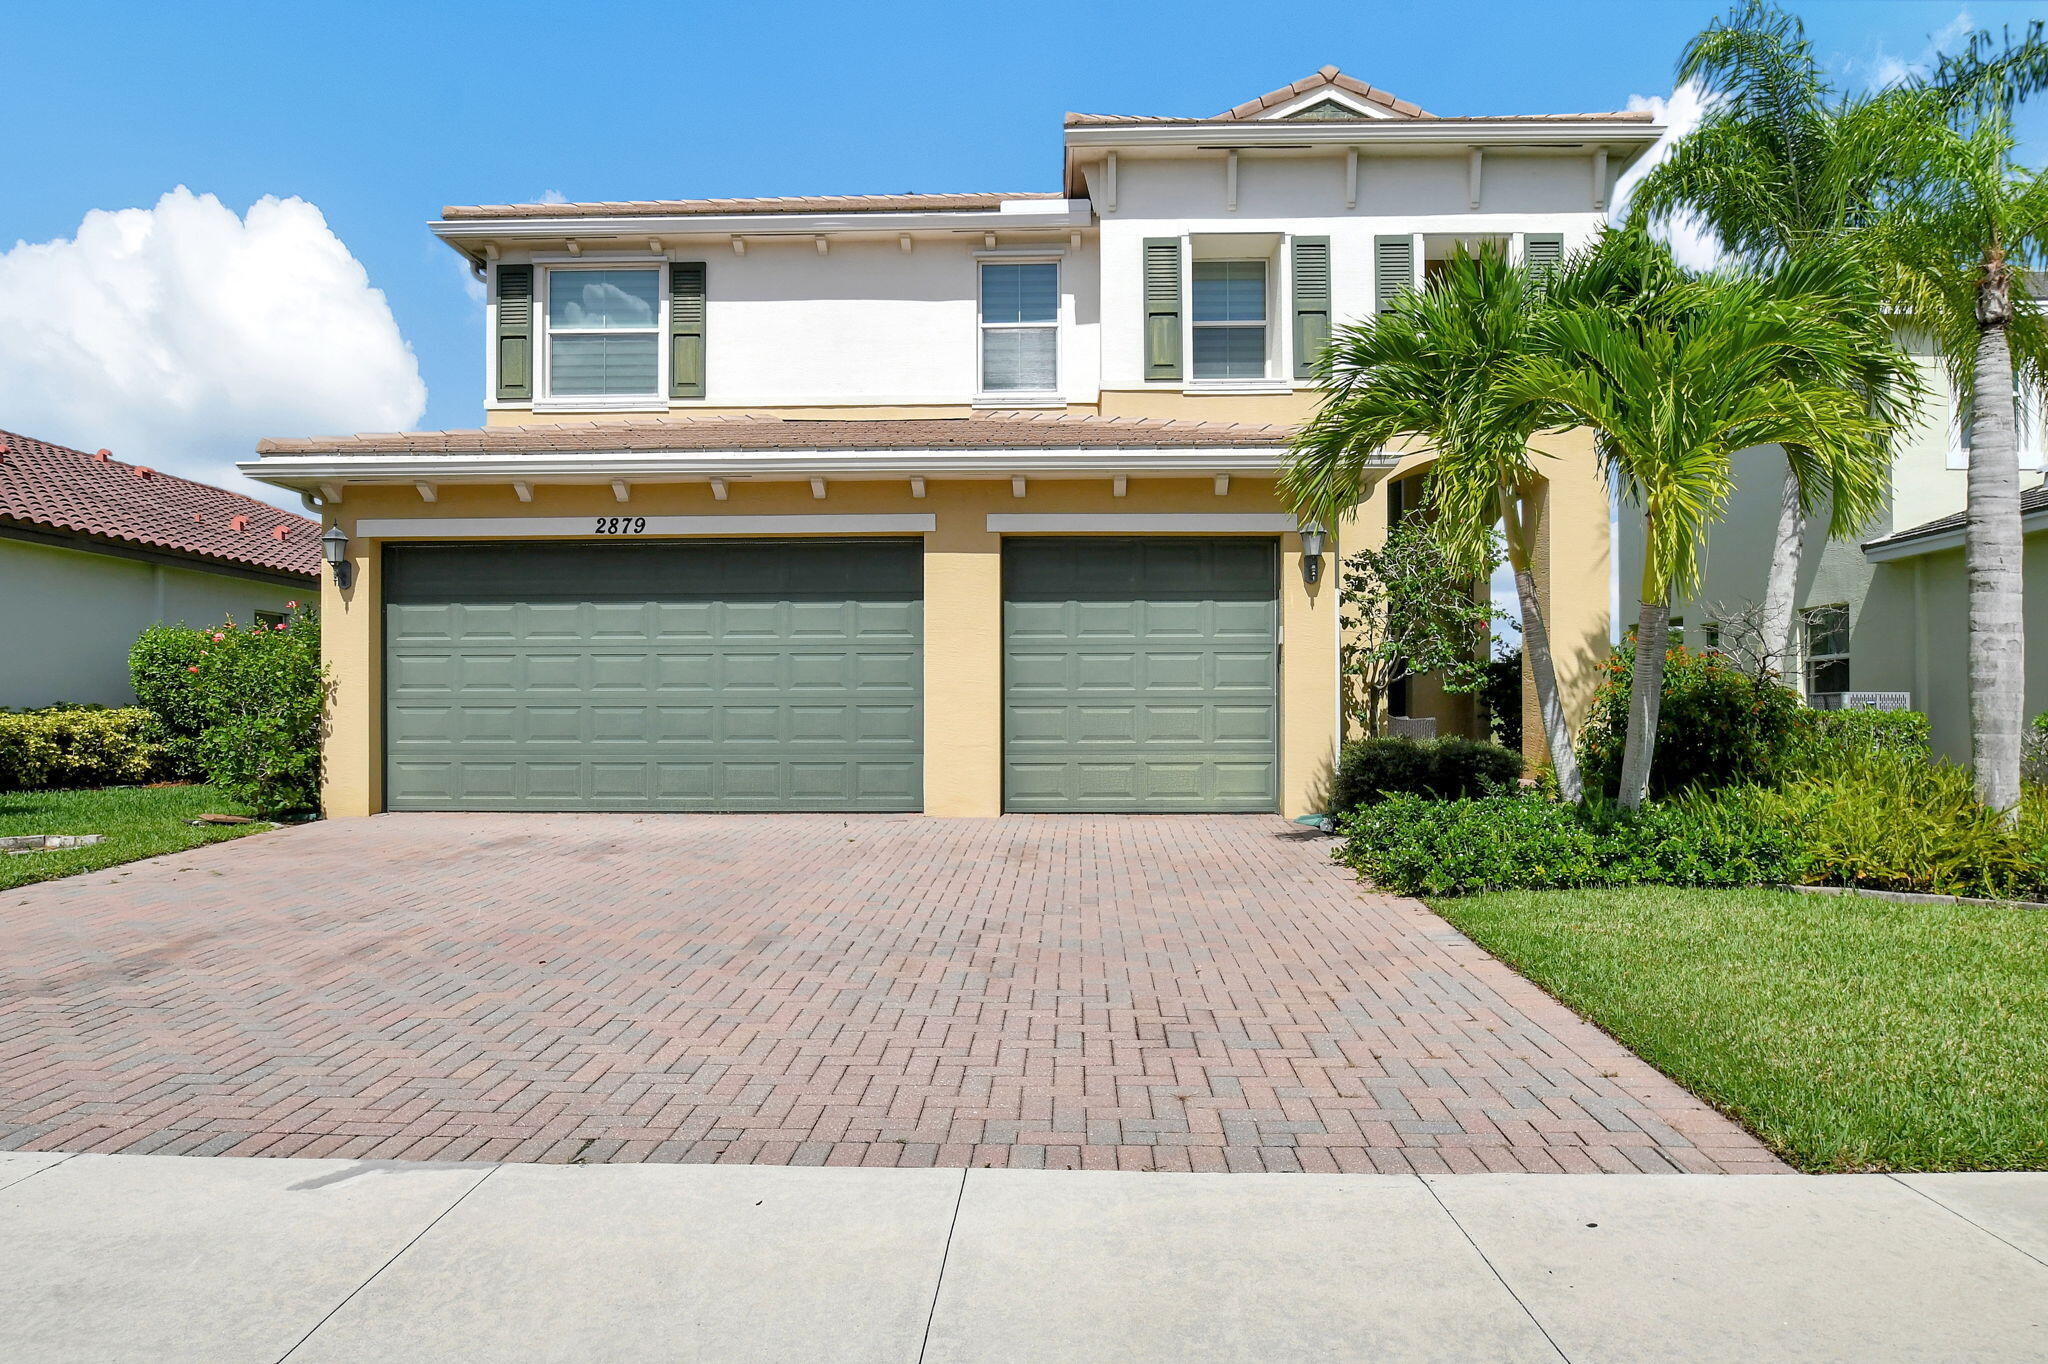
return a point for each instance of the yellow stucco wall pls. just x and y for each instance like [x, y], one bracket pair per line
[963, 611]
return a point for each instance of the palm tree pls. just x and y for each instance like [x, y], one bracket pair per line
[1780, 171]
[1675, 376]
[1432, 371]
[1960, 230]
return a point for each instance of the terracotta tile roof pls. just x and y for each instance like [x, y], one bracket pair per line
[57, 488]
[1603, 116]
[1325, 78]
[990, 430]
[815, 203]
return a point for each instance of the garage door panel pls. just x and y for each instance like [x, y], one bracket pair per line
[612, 677]
[1141, 674]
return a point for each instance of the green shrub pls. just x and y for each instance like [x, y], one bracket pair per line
[241, 705]
[66, 746]
[1443, 769]
[160, 672]
[1889, 821]
[1828, 739]
[2034, 756]
[1718, 726]
[1415, 846]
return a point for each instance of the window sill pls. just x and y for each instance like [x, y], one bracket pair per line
[601, 405]
[1213, 387]
[1019, 400]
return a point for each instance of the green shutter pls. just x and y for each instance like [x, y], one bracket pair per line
[515, 333]
[686, 329]
[1543, 251]
[1393, 270]
[1311, 303]
[1162, 307]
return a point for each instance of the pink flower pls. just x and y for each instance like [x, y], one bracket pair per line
[278, 626]
[219, 638]
[193, 669]
[291, 606]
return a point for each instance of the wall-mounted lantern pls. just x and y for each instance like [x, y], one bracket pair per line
[1312, 536]
[334, 545]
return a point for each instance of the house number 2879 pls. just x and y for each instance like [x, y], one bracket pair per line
[621, 525]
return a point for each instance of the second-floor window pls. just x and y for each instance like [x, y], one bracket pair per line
[1020, 311]
[1230, 319]
[604, 333]
[1827, 649]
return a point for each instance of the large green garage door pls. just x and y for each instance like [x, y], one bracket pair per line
[1140, 674]
[671, 675]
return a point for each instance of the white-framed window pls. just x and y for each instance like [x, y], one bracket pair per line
[1020, 332]
[2027, 413]
[1827, 648]
[603, 337]
[1232, 302]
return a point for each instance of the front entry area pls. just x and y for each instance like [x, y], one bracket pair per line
[1141, 674]
[654, 675]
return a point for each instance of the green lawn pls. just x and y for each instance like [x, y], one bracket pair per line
[139, 821]
[1848, 1033]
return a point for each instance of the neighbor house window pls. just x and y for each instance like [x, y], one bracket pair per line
[1230, 319]
[1827, 649]
[604, 333]
[1020, 313]
[267, 619]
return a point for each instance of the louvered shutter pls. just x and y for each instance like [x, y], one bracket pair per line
[1543, 251]
[515, 332]
[1311, 303]
[1162, 307]
[1393, 270]
[686, 329]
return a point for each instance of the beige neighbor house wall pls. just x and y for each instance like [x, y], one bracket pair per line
[1914, 636]
[70, 617]
[963, 611]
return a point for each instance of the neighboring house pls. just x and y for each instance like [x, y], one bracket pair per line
[1883, 615]
[93, 550]
[960, 503]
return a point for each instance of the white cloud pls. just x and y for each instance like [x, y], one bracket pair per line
[179, 335]
[1680, 112]
[1888, 68]
[553, 196]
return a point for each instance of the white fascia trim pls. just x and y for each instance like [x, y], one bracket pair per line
[1393, 132]
[1881, 551]
[1225, 523]
[555, 527]
[293, 470]
[1062, 213]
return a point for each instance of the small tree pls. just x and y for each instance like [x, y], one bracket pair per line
[1503, 697]
[1409, 610]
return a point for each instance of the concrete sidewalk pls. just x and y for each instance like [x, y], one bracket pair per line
[166, 1258]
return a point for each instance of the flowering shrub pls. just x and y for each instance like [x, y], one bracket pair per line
[1718, 726]
[240, 705]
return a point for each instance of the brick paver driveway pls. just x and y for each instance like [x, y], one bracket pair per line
[1151, 993]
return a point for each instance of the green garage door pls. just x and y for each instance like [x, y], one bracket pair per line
[1140, 674]
[655, 675]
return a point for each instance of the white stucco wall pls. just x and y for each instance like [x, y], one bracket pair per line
[68, 618]
[1304, 195]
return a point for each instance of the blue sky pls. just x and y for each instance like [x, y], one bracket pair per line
[379, 113]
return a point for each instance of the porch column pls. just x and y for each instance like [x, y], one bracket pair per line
[1571, 565]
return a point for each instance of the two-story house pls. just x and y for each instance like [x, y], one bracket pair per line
[960, 503]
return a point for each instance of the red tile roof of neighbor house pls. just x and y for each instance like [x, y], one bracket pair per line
[54, 487]
[983, 430]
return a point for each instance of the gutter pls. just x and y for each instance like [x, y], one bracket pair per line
[1909, 545]
[1018, 215]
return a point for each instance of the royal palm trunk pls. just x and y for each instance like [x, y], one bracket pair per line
[1992, 547]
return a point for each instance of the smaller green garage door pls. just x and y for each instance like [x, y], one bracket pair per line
[1141, 674]
[655, 675]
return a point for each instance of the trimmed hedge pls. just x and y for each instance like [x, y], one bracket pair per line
[1414, 846]
[65, 746]
[1717, 725]
[1370, 770]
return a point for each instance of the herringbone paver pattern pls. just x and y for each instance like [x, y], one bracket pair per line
[1204, 993]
